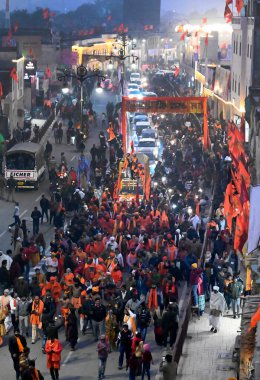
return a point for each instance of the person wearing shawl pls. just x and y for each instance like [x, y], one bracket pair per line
[217, 307]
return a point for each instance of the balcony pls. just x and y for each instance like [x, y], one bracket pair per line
[236, 20]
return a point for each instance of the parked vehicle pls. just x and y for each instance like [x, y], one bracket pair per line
[25, 162]
[148, 146]
[140, 125]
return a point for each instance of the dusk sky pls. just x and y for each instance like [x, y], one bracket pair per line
[186, 6]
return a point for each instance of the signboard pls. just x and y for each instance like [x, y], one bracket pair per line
[166, 105]
[30, 68]
[21, 174]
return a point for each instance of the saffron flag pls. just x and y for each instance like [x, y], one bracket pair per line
[228, 208]
[204, 20]
[132, 147]
[244, 197]
[1, 90]
[241, 231]
[244, 174]
[239, 5]
[13, 74]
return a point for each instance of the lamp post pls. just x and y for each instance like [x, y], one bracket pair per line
[121, 53]
[81, 74]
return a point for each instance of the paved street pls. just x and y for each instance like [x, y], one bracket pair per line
[207, 356]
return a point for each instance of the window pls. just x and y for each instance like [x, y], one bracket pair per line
[246, 91]
[247, 53]
[250, 51]
[235, 86]
[234, 46]
[238, 89]
[240, 48]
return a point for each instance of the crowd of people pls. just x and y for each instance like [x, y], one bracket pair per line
[119, 266]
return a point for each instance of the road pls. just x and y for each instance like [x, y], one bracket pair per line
[29, 198]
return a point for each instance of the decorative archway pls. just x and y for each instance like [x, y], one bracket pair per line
[161, 105]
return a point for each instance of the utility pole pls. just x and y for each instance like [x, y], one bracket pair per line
[7, 14]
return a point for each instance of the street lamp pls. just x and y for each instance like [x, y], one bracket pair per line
[81, 75]
[121, 54]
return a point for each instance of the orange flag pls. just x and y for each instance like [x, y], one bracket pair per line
[228, 208]
[244, 173]
[241, 231]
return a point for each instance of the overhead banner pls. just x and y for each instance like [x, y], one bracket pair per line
[254, 225]
[166, 105]
[161, 105]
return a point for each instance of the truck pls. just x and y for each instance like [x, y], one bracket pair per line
[25, 162]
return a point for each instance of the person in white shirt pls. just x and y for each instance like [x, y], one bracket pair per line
[119, 258]
[195, 220]
[112, 244]
[7, 258]
[52, 266]
[13, 304]
[81, 193]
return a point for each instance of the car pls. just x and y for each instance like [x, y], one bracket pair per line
[140, 125]
[149, 147]
[149, 133]
[135, 94]
[140, 117]
[149, 94]
[133, 86]
[134, 77]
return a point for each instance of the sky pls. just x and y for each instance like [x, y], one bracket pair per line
[180, 6]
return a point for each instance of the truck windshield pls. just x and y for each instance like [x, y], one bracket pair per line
[20, 161]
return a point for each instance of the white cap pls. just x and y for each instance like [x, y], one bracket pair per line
[216, 288]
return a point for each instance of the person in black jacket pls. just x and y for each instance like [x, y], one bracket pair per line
[72, 328]
[143, 319]
[98, 315]
[30, 372]
[124, 341]
[17, 347]
[85, 309]
[36, 216]
[45, 205]
[170, 324]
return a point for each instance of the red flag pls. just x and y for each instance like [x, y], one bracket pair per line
[229, 2]
[176, 71]
[46, 14]
[1, 90]
[48, 72]
[204, 20]
[239, 5]
[228, 14]
[120, 28]
[182, 38]
[206, 39]
[13, 74]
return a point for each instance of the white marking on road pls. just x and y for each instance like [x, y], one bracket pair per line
[68, 356]
[2, 234]
[37, 199]
[23, 213]
[72, 158]
[67, 359]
